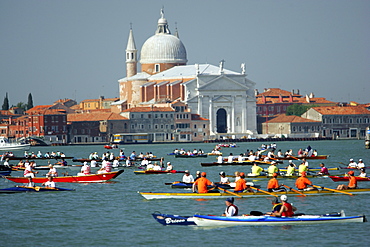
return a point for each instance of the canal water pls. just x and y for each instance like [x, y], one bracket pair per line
[114, 214]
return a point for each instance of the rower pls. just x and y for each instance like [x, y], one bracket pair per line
[303, 183]
[50, 183]
[230, 158]
[220, 159]
[169, 166]
[291, 168]
[324, 170]
[241, 184]
[360, 164]
[52, 171]
[157, 167]
[273, 184]
[187, 178]
[363, 173]
[200, 185]
[302, 168]
[224, 179]
[272, 168]
[256, 169]
[287, 209]
[352, 164]
[352, 184]
[231, 209]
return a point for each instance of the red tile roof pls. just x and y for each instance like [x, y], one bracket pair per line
[198, 117]
[150, 109]
[342, 110]
[282, 118]
[96, 116]
[276, 92]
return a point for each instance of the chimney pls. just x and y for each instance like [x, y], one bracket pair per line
[297, 91]
[307, 98]
[293, 91]
[265, 90]
[263, 99]
[256, 92]
[290, 98]
[280, 98]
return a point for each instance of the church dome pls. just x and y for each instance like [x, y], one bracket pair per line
[163, 47]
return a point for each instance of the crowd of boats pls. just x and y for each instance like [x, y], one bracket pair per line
[99, 168]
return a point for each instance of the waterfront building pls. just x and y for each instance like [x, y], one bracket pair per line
[224, 97]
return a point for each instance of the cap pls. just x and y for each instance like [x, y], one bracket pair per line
[284, 198]
[230, 199]
[275, 200]
[168, 163]
[275, 174]
[360, 160]
[350, 172]
[203, 174]
[242, 174]
[304, 173]
[350, 159]
[273, 162]
[222, 173]
[187, 171]
[290, 161]
[198, 172]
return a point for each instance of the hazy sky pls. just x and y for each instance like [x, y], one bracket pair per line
[76, 48]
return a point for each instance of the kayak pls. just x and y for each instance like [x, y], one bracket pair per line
[210, 220]
[279, 176]
[157, 172]
[19, 189]
[344, 178]
[170, 219]
[315, 169]
[223, 195]
[5, 173]
[36, 158]
[191, 156]
[93, 178]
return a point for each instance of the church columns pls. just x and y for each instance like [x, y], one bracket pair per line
[244, 116]
[232, 126]
[200, 104]
[212, 122]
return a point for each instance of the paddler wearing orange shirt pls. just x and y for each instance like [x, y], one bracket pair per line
[303, 183]
[352, 184]
[200, 185]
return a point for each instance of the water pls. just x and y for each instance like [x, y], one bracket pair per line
[114, 214]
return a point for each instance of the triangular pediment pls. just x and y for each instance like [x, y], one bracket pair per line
[223, 83]
[222, 99]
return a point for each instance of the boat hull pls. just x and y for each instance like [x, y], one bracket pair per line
[94, 178]
[205, 220]
[191, 156]
[221, 195]
[170, 219]
[20, 189]
[157, 172]
[340, 178]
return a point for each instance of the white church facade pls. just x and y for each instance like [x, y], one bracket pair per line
[226, 98]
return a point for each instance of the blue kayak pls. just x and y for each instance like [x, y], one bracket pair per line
[19, 189]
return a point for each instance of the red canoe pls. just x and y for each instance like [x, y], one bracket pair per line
[338, 178]
[94, 178]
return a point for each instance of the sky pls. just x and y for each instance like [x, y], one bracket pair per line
[76, 48]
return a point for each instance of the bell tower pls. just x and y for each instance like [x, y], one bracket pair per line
[131, 56]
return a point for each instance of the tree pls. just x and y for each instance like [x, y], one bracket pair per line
[30, 102]
[6, 103]
[22, 105]
[297, 109]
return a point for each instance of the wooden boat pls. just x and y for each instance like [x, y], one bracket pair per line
[191, 156]
[346, 178]
[354, 168]
[5, 145]
[5, 173]
[100, 160]
[170, 219]
[19, 189]
[157, 172]
[237, 163]
[210, 220]
[223, 195]
[35, 158]
[93, 178]
[315, 169]
[318, 157]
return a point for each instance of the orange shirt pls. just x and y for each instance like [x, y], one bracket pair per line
[352, 182]
[202, 184]
[302, 182]
[240, 185]
[273, 184]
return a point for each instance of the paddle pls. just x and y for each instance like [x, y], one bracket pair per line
[297, 191]
[176, 182]
[228, 191]
[264, 191]
[333, 190]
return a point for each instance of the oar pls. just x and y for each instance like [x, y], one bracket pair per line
[264, 191]
[228, 191]
[297, 191]
[333, 190]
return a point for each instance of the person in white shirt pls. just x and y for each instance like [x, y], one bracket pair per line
[50, 183]
[116, 162]
[169, 166]
[150, 166]
[85, 169]
[360, 164]
[230, 158]
[157, 167]
[220, 159]
[240, 158]
[52, 171]
[223, 178]
[363, 173]
[187, 178]
[352, 164]
[93, 163]
[231, 209]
